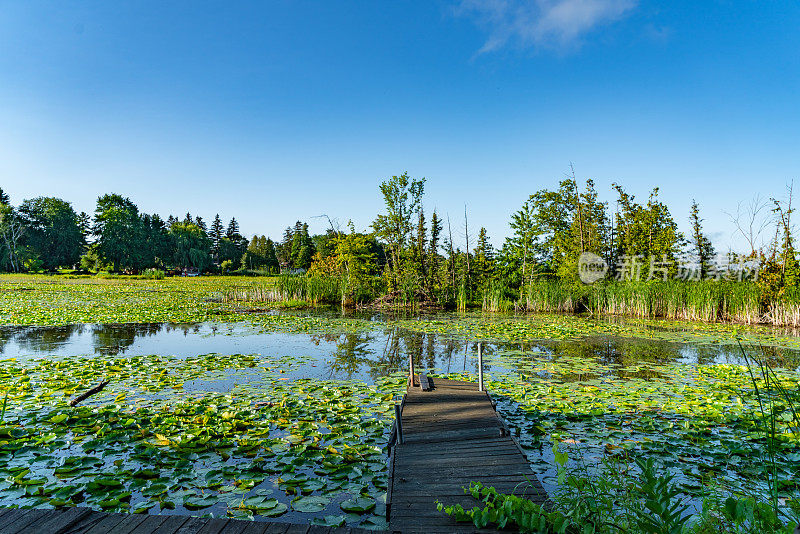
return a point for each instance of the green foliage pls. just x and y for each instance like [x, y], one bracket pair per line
[52, 231]
[190, 246]
[143, 444]
[506, 511]
[702, 246]
[120, 232]
[402, 196]
[260, 255]
[153, 274]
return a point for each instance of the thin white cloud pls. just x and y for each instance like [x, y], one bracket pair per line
[541, 23]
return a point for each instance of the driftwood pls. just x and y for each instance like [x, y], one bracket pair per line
[88, 393]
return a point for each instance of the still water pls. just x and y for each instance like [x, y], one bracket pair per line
[360, 356]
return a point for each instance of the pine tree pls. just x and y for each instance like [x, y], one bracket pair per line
[233, 234]
[701, 244]
[270, 258]
[171, 220]
[284, 248]
[4, 198]
[433, 249]
[85, 224]
[188, 219]
[484, 257]
[419, 248]
[216, 235]
[201, 224]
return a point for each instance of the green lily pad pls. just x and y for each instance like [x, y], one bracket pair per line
[359, 505]
[310, 504]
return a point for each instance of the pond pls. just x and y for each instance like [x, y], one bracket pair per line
[287, 416]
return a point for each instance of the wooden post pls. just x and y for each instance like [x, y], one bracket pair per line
[399, 421]
[480, 367]
[411, 370]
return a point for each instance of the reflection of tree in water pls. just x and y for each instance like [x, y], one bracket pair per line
[113, 340]
[38, 339]
[352, 352]
[189, 328]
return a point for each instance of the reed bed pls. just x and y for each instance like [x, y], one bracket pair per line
[290, 288]
[707, 300]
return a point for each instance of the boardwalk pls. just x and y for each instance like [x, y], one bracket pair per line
[85, 521]
[452, 436]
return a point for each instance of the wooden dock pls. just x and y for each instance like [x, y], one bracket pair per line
[451, 436]
[86, 521]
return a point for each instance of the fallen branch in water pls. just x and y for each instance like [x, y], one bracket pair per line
[83, 396]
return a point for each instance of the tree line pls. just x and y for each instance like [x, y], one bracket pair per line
[45, 233]
[405, 255]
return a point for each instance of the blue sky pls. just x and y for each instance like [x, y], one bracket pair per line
[273, 112]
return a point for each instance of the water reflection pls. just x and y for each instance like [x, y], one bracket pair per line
[366, 355]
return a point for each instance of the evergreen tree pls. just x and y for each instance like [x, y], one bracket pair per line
[270, 258]
[302, 247]
[85, 226]
[419, 249]
[484, 257]
[700, 243]
[517, 254]
[200, 223]
[4, 198]
[433, 249]
[216, 235]
[232, 232]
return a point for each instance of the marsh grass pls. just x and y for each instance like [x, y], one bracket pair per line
[706, 300]
[290, 289]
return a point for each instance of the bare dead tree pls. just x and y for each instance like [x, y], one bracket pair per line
[578, 205]
[334, 228]
[751, 220]
[466, 237]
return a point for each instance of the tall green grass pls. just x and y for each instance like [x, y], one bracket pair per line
[706, 300]
[312, 290]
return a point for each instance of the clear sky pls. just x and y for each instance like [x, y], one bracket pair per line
[278, 111]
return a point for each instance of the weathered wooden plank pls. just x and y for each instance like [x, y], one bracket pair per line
[277, 528]
[5, 511]
[103, 524]
[443, 458]
[235, 527]
[26, 520]
[85, 522]
[213, 526]
[138, 524]
[298, 529]
[451, 435]
[195, 525]
[13, 515]
[61, 521]
[171, 524]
